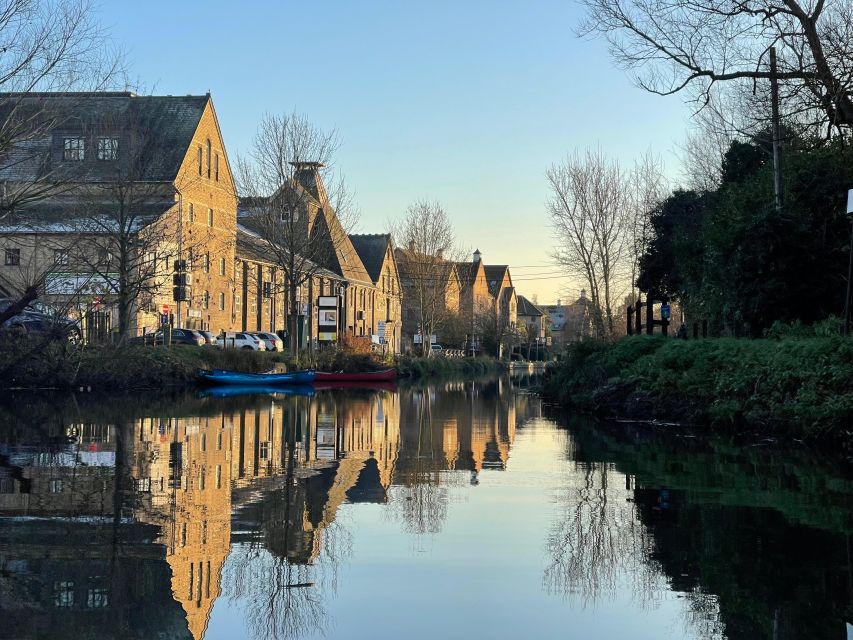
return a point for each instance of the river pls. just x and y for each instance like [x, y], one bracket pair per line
[450, 510]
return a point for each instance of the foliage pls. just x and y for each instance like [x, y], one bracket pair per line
[728, 256]
[802, 387]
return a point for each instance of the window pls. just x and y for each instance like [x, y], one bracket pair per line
[201, 479]
[74, 149]
[184, 534]
[218, 476]
[12, 257]
[264, 450]
[63, 593]
[216, 167]
[204, 532]
[107, 148]
[190, 259]
[104, 257]
[210, 217]
[286, 215]
[191, 213]
[221, 301]
[56, 485]
[206, 301]
[219, 440]
[206, 263]
[60, 257]
[267, 289]
[199, 159]
[222, 266]
[96, 598]
[208, 159]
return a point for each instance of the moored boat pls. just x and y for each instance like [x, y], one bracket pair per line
[386, 375]
[223, 376]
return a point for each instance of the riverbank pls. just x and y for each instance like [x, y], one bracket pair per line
[799, 388]
[35, 363]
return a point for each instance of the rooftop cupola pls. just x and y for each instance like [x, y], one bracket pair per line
[477, 255]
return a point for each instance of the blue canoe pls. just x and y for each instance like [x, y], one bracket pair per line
[304, 390]
[223, 376]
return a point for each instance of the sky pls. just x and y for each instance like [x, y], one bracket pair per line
[466, 103]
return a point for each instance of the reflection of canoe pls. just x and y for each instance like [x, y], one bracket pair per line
[386, 375]
[369, 386]
[246, 390]
[222, 376]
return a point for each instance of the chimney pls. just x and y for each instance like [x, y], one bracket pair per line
[583, 294]
[477, 255]
[440, 254]
[307, 174]
[558, 302]
[411, 245]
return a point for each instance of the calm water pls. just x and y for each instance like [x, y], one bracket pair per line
[453, 511]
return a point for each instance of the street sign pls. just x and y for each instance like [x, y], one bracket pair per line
[380, 327]
[664, 311]
[164, 319]
[165, 310]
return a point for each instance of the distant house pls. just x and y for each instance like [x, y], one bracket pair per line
[532, 318]
[569, 323]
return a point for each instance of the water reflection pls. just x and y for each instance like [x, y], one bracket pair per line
[137, 518]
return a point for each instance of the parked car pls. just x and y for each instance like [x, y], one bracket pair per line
[240, 340]
[198, 334]
[271, 341]
[436, 348]
[179, 336]
[37, 318]
[209, 338]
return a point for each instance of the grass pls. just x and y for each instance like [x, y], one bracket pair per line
[801, 387]
[33, 362]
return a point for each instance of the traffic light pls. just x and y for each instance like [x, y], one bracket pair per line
[182, 281]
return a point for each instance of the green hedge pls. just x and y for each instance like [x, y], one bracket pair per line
[801, 387]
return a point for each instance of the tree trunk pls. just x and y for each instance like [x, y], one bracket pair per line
[30, 294]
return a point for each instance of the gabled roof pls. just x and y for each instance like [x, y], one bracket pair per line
[527, 308]
[85, 218]
[468, 271]
[495, 274]
[371, 248]
[163, 126]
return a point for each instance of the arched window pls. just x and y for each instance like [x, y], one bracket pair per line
[208, 158]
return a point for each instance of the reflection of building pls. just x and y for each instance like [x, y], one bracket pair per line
[183, 481]
[136, 522]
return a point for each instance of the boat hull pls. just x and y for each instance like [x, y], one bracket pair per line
[222, 376]
[387, 375]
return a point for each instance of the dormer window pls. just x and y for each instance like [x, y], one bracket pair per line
[107, 148]
[74, 149]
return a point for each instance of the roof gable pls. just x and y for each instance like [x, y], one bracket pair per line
[372, 249]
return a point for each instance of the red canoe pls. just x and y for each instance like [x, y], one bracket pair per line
[386, 375]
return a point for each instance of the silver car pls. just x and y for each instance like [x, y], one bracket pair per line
[271, 341]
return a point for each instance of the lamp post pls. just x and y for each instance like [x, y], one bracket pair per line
[849, 265]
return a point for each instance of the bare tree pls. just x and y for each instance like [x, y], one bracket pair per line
[647, 187]
[47, 45]
[426, 258]
[590, 210]
[295, 204]
[702, 45]
[130, 223]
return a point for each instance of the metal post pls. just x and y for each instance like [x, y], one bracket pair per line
[849, 278]
[777, 142]
[630, 320]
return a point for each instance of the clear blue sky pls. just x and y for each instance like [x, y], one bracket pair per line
[466, 103]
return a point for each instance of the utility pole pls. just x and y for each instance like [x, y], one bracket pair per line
[777, 141]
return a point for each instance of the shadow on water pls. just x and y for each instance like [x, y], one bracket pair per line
[131, 517]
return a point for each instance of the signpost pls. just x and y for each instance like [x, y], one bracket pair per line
[327, 318]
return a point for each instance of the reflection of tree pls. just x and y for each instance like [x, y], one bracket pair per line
[420, 503]
[598, 540]
[273, 572]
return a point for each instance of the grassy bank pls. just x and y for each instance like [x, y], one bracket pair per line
[33, 362]
[797, 387]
